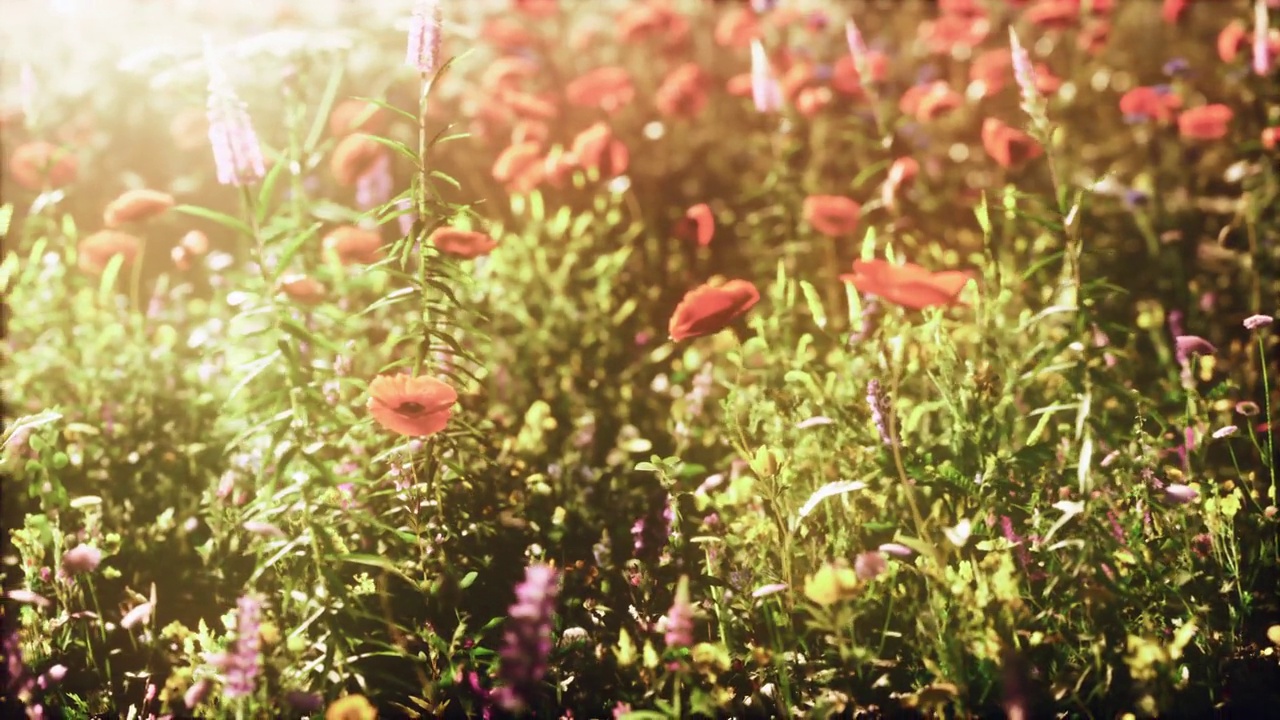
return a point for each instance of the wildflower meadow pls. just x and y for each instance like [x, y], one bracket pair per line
[640, 359]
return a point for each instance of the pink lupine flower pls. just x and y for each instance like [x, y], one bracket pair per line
[765, 91]
[423, 51]
[236, 151]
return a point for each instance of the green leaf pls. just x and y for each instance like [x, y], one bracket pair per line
[255, 369]
[395, 145]
[107, 285]
[222, 219]
[6, 217]
[815, 303]
[468, 579]
[376, 561]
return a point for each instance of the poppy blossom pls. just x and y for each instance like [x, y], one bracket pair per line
[608, 88]
[908, 285]
[353, 156]
[1053, 14]
[991, 71]
[683, 92]
[1008, 146]
[38, 162]
[1235, 37]
[353, 115]
[597, 149]
[708, 309]
[950, 32]
[698, 224]
[462, 243]
[302, 288]
[96, 251]
[832, 215]
[1208, 122]
[519, 167]
[1270, 137]
[558, 166]
[812, 100]
[537, 8]
[737, 28]
[654, 19]
[528, 106]
[1172, 10]
[929, 101]
[845, 78]
[353, 245]
[506, 34]
[408, 405]
[136, 205]
[1150, 102]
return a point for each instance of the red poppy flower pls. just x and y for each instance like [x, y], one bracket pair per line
[558, 166]
[708, 309]
[353, 156]
[949, 32]
[467, 244]
[135, 206]
[908, 285]
[802, 74]
[1173, 9]
[412, 406]
[654, 19]
[1208, 122]
[96, 251]
[302, 289]
[354, 115]
[506, 34]
[739, 85]
[1150, 102]
[353, 245]
[537, 8]
[37, 162]
[1008, 146]
[844, 73]
[1093, 36]
[1053, 14]
[968, 9]
[527, 106]
[929, 101]
[597, 148]
[519, 167]
[698, 224]
[683, 92]
[832, 215]
[1235, 38]
[607, 88]
[1270, 137]
[991, 71]
[737, 28]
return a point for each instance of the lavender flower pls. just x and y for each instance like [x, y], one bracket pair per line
[869, 565]
[1261, 48]
[241, 666]
[650, 532]
[765, 92]
[423, 52]
[879, 402]
[680, 617]
[1024, 73]
[236, 151]
[527, 642]
[857, 47]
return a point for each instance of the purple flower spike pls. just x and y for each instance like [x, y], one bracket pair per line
[236, 151]
[527, 643]
[423, 52]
